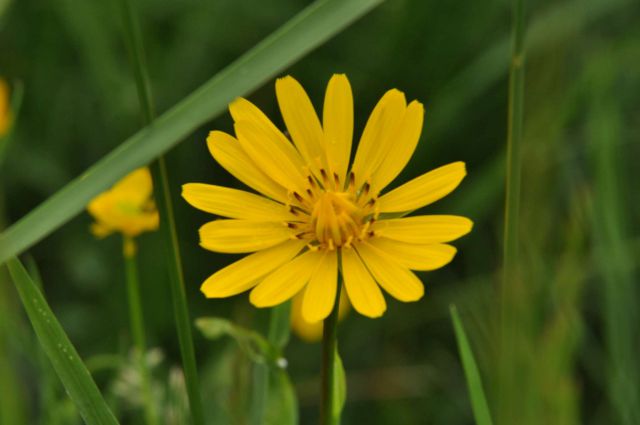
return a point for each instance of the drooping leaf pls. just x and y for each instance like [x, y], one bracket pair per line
[65, 359]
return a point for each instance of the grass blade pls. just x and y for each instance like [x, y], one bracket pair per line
[307, 30]
[72, 372]
[481, 411]
[168, 229]
[511, 279]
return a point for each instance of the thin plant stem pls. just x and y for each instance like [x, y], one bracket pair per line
[137, 329]
[329, 348]
[510, 277]
[168, 227]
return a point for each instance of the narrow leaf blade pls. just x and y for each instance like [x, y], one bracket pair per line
[474, 383]
[65, 359]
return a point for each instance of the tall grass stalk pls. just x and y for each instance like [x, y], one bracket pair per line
[136, 318]
[510, 277]
[168, 227]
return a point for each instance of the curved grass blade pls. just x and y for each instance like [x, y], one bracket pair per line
[65, 359]
[304, 32]
[481, 411]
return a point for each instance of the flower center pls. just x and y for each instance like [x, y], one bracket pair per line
[330, 216]
[336, 219]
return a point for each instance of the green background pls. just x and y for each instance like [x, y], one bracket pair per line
[574, 308]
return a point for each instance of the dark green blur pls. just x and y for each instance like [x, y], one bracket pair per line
[574, 308]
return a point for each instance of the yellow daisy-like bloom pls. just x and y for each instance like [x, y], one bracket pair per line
[5, 110]
[127, 207]
[318, 215]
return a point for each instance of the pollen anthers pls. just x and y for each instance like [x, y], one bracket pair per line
[332, 215]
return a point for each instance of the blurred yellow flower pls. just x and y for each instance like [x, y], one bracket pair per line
[127, 207]
[318, 215]
[5, 110]
[312, 332]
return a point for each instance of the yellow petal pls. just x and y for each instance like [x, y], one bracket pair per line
[245, 273]
[404, 143]
[226, 150]
[379, 135]
[423, 190]
[141, 222]
[397, 280]
[312, 332]
[136, 187]
[287, 280]
[5, 108]
[414, 256]
[320, 294]
[364, 293]
[275, 157]
[100, 230]
[239, 236]
[302, 121]
[234, 203]
[425, 229]
[337, 121]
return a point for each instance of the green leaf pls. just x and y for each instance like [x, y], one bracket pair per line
[339, 389]
[65, 359]
[280, 325]
[474, 383]
[252, 343]
[282, 404]
[307, 30]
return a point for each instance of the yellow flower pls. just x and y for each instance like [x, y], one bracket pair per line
[312, 332]
[318, 215]
[5, 110]
[127, 207]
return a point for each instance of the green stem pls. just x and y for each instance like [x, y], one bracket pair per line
[137, 330]
[512, 204]
[168, 227]
[329, 349]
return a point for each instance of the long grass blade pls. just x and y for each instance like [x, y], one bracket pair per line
[65, 359]
[510, 276]
[304, 32]
[162, 191]
[481, 411]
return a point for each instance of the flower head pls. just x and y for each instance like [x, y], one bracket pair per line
[127, 207]
[317, 215]
[5, 110]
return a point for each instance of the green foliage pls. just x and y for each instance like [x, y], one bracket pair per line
[481, 410]
[339, 389]
[573, 303]
[62, 354]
